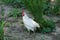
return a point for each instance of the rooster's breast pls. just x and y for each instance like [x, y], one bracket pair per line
[28, 21]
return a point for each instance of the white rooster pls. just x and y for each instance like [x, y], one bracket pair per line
[29, 23]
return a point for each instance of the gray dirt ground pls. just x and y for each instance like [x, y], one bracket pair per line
[15, 29]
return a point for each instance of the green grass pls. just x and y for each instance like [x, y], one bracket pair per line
[1, 29]
[15, 12]
[52, 8]
[14, 3]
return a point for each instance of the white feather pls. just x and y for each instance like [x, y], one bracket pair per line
[29, 23]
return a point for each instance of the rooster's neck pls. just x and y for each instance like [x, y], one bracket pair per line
[25, 15]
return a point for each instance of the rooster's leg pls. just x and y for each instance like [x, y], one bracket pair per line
[34, 35]
[29, 33]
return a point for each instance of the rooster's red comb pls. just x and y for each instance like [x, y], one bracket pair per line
[22, 12]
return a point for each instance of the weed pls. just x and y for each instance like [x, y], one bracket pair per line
[1, 29]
